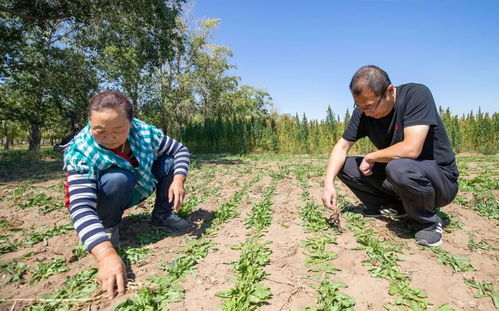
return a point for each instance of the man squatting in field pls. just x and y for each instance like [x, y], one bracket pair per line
[412, 172]
[114, 163]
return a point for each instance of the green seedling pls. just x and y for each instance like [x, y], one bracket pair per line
[76, 288]
[481, 245]
[485, 289]
[486, 205]
[49, 208]
[454, 223]
[153, 236]
[330, 298]
[79, 252]
[40, 200]
[45, 270]
[16, 271]
[248, 294]
[458, 263]
[164, 288]
[56, 230]
[133, 255]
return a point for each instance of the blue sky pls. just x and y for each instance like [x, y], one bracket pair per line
[304, 53]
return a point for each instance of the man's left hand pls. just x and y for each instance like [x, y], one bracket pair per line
[176, 193]
[366, 166]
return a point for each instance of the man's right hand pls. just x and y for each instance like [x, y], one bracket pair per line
[112, 272]
[329, 197]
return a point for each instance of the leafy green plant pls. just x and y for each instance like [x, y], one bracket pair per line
[16, 271]
[44, 270]
[49, 208]
[454, 222]
[152, 236]
[79, 252]
[165, 288]
[458, 263]
[132, 255]
[384, 257]
[484, 289]
[37, 200]
[482, 245]
[248, 294]
[56, 230]
[486, 204]
[330, 298]
[76, 288]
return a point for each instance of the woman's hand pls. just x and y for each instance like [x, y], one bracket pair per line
[112, 270]
[176, 193]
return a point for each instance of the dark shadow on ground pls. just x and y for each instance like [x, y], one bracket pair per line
[137, 231]
[403, 228]
[203, 220]
[27, 166]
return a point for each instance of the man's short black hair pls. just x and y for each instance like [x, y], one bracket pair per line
[370, 77]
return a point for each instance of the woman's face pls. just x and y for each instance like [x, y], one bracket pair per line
[110, 127]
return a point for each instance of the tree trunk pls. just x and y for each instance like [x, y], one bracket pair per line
[35, 137]
[6, 135]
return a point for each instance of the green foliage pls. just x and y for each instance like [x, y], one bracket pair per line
[77, 287]
[457, 262]
[164, 288]
[486, 204]
[56, 230]
[131, 255]
[44, 270]
[330, 298]
[384, 257]
[16, 271]
[484, 289]
[248, 294]
[481, 245]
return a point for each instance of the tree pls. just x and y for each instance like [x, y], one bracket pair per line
[58, 42]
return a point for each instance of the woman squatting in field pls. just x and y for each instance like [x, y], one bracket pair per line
[114, 163]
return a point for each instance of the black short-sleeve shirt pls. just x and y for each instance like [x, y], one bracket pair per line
[414, 106]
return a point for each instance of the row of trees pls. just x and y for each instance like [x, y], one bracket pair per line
[474, 132]
[56, 54]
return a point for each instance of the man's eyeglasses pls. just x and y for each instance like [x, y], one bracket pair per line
[371, 108]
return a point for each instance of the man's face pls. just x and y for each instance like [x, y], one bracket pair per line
[375, 106]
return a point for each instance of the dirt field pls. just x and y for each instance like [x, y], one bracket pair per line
[262, 242]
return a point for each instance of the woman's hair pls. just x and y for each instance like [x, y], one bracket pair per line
[110, 100]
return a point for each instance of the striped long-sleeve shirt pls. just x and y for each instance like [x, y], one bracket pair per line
[81, 192]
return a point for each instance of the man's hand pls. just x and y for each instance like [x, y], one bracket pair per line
[329, 197]
[112, 272]
[366, 166]
[177, 192]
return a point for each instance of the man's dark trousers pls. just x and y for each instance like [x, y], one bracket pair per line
[422, 186]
